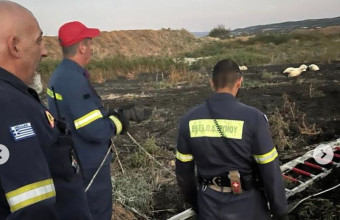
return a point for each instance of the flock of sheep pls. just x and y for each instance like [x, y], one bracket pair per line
[291, 71]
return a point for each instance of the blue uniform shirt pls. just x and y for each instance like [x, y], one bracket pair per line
[199, 142]
[82, 108]
[27, 190]
[39, 167]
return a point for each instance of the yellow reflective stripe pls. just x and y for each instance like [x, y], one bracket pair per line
[118, 124]
[184, 157]
[207, 128]
[87, 119]
[266, 158]
[58, 96]
[30, 194]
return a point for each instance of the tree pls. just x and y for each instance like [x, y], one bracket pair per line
[220, 32]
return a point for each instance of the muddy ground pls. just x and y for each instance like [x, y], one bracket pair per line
[315, 94]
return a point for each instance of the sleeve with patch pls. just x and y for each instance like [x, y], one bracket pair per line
[25, 176]
[88, 116]
[185, 165]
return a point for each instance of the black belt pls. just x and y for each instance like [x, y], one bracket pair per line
[222, 181]
[247, 180]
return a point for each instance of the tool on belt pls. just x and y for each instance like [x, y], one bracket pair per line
[231, 181]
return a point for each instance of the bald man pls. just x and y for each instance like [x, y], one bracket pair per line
[39, 175]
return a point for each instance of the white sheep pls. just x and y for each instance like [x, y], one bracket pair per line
[313, 67]
[303, 66]
[243, 68]
[290, 69]
[296, 71]
[37, 84]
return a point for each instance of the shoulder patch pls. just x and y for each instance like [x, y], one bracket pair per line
[50, 118]
[265, 117]
[22, 131]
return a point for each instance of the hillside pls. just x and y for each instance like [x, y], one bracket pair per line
[135, 43]
[289, 26]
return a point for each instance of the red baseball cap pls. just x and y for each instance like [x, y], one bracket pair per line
[73, 32]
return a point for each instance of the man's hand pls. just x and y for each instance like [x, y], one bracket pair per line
[133, 114]
[121, 117]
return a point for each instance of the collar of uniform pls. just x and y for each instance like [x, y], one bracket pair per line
[74, 65]
[17, 83]
[13, 80]
[223, 96]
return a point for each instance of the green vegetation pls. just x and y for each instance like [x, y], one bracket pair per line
[220, 32]
[296, 47]
[267, 75]
[274, 51]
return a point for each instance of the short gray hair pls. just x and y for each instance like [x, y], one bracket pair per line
[70, 51]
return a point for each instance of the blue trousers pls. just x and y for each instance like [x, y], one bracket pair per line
[71, 199]
[250, 205]
[99, 195]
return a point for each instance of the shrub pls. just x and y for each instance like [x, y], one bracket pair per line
[134, 190]
[270, 38]
[267, 75]
[219, 32]
[308, 36]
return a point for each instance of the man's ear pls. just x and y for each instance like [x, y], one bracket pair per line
[81, 47]
[239, 82]
[13, 46]
[212, 86]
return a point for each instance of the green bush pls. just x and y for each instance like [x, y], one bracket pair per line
[47, 66]
[220, 32]
[270, 38]
[313, 36]
[134, 190]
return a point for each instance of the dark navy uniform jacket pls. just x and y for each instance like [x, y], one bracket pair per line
[27, 187]
[247, 130]
[37, 181]
[82, 108]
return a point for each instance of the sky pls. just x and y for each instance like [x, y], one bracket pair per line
[192, 15]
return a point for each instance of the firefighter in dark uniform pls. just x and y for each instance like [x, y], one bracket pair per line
[37, 179]
[238, 169]
[92, 127]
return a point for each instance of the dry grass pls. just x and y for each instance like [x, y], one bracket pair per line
[136, 187]
[280, 130]
[290, 121]
[129, 53]
[135, 43]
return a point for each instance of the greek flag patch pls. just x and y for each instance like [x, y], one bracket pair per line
[23, 131]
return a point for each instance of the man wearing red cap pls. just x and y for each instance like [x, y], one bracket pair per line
[71, 95]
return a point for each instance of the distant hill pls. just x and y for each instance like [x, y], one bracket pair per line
[135, 43]
[289, 26]
[200, 34]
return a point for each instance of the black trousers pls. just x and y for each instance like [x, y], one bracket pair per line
[250, 205]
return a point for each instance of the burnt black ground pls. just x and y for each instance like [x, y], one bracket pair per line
[317, 94]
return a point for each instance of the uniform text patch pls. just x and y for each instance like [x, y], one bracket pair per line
[206, 128]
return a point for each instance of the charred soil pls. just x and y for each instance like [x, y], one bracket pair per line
[308, 107]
